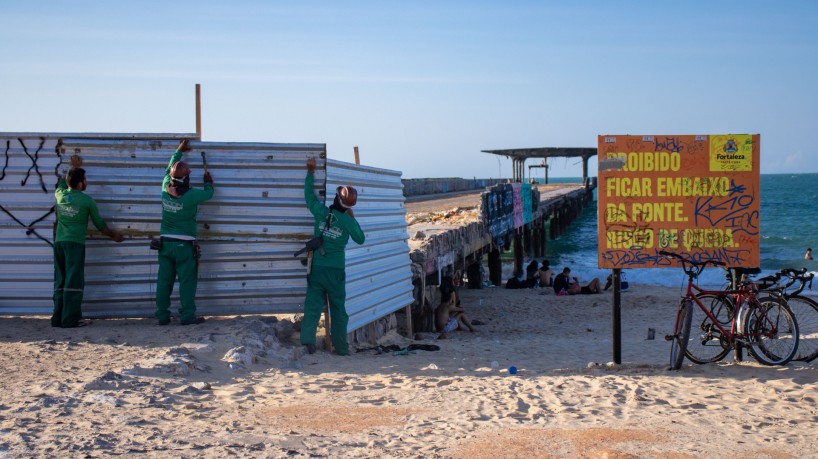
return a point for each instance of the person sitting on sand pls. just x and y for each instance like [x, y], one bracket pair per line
[449, 316]
[531, 274]
[564, 286]
[546, 274]
[623, 283]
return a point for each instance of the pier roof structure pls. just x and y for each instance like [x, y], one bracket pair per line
[520, 155]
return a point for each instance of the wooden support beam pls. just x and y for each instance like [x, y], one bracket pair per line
[495, 267]
[528, 249]
[617, 317]
[535, 239]
[199, 111]
[409, 326]
[473, 273]
[518, 253]
[327, 328]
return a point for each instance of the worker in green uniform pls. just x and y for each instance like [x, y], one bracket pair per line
[178, 251]
[74, 208]
[327, 277]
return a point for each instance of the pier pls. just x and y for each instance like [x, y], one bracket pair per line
[451, 233]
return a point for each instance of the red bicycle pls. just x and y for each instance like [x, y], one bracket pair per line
[709, 323]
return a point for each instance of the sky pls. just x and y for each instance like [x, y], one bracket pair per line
[419, 86]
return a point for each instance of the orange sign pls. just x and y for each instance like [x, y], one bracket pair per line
[696, 195]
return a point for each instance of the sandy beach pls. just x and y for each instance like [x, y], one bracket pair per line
[240, 387]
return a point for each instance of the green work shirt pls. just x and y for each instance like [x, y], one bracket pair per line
[179, 214]
[341, 228]
[73, 209]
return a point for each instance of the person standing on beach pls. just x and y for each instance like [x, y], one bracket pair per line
[178, 251]
[74, 208]
[327, 277]
[808, 256]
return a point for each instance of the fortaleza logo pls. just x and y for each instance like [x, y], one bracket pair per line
[172, 207]
[68, 210]
[731, 152]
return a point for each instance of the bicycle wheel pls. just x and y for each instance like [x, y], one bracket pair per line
[771, 331]
[681, 335]
[706, 343]
[806, 314]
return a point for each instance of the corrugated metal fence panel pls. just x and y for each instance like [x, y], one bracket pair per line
[29, 162]
[379, 276]
[249, 230]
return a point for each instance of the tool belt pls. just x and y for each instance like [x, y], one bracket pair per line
[157, 243]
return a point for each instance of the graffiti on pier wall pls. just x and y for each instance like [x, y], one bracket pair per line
[696, 195]
[507, 207]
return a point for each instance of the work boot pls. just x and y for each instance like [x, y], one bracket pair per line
[195, 321]
[310, 348]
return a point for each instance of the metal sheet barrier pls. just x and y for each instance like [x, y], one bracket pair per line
[249, 230]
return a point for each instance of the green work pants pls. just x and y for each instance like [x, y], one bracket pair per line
[325, 283]
[69, 282]
[176, 258]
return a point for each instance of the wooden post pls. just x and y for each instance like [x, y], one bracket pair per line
[495, 267]
[529, 251]
[617, 317]
[518, 254]
[409, 325]
[327, 328]
[738, 351]
[357, 158]
[585, 171]
[535, 238]
[544, 236]
[199, 111]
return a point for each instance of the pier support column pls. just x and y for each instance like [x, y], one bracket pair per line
[585, 181]
[495, 267]
[529, 250]
[535, 239]
[564, 220]
[544, 236]
[518, 253]
[473, 272]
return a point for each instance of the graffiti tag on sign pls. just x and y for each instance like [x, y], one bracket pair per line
[697, 195]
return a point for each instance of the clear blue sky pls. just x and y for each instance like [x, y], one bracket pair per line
[420, 87]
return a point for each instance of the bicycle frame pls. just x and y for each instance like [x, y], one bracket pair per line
[740, 297]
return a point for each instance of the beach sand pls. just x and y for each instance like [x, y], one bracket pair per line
[239, 387]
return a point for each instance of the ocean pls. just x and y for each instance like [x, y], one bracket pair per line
[789, 224]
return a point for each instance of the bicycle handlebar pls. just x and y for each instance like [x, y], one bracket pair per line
[696, 267]
[797, 275]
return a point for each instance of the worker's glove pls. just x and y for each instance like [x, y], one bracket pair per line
[183, 146]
